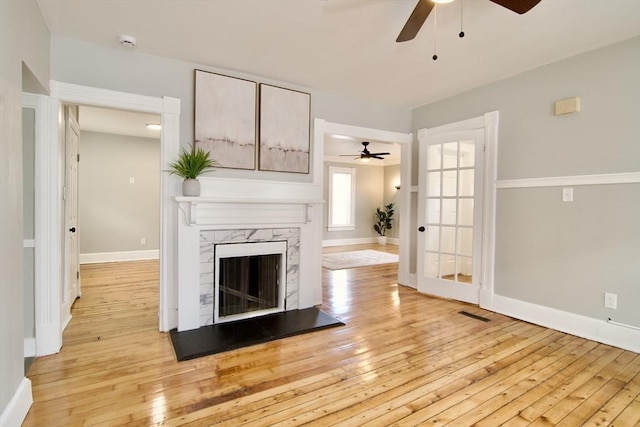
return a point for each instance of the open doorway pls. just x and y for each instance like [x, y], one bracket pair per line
[118, 229]
[376, 188]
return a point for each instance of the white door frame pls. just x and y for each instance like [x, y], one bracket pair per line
[489, 123]
[50, 207]
[322, 128]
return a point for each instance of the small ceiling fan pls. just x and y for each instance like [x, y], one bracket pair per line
[366, 154]
[424, 7]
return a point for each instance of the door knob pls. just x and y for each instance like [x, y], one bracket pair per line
[72, 229]
[421, 229]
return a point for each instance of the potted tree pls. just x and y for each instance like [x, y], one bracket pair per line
[384, 219]
[190, 165]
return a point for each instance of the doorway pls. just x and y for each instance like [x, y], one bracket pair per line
[456, 208]
[49, 314]
[117, 227]
[324, 130]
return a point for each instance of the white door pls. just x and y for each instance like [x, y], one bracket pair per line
[450, 214]
[72, 273]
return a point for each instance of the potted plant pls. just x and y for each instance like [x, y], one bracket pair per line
[384, 219]
[190, 165]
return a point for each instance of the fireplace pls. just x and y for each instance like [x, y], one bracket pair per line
[211, 225]
[249, 280]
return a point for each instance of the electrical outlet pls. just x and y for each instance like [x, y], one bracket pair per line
[143, 241]
[610, 300]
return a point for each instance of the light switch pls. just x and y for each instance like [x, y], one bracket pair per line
[567, 194]
[132, 180]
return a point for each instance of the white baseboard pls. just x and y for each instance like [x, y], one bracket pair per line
[357, 241]
[99, 257]
[574, 324]
[18, 407]
[29, 347]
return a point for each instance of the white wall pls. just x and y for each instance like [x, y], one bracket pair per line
[113, 213]
[24, 38]
[553, 254]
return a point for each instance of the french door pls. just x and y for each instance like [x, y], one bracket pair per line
[450, 210]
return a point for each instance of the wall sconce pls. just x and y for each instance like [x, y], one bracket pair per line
[397, 186]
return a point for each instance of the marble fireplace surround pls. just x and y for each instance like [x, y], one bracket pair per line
[209, 239]
[204, 222]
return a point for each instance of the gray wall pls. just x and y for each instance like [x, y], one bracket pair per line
[391, 179]
[24, 38]
[369, 195]
[565, 255]
[28, 170]
[125, 70]
[375, 187]
[114, 214]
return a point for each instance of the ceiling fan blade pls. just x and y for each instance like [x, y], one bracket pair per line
[379, 154]
[376, 157]
[416, 19]
[517, 6]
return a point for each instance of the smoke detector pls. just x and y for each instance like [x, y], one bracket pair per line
[127, 41]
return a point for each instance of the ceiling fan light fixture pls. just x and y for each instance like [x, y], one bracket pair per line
[364, 159]
[442, 1]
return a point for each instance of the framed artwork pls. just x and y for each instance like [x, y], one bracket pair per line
[225, 119]
[284, 130]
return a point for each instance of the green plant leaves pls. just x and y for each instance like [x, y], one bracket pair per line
[192, 163]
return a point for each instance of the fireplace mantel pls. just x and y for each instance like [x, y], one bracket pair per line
[253, 217]
[239, 211]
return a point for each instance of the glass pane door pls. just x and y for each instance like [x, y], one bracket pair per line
[450, 200]
[450, 191]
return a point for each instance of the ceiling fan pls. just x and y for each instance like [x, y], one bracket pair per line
[366, 154]
[424, 7]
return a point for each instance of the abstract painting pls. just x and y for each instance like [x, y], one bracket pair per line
[284, 130]
[225, 119]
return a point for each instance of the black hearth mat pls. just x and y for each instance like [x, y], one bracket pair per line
[243, 333]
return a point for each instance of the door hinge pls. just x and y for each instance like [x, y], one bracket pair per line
[78, 156]
[77, 275]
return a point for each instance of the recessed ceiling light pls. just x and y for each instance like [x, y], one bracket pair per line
[342, 137]
[442, 1]
[154, 126]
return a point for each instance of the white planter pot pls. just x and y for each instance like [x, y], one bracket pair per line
[382, 240]
[191, 188]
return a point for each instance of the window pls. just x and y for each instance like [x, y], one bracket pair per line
[342, 201]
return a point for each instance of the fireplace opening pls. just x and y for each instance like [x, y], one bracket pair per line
[250, 280]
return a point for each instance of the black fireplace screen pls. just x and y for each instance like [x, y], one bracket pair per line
[248, 283]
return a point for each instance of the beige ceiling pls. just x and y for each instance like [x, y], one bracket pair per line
[117, 122]
[348, 46]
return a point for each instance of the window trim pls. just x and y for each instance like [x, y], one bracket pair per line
[342, 227]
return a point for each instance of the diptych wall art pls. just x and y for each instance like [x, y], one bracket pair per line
[225, 119]
[284, 130]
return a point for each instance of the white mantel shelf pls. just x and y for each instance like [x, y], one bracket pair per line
[228, 211]
[183, 199]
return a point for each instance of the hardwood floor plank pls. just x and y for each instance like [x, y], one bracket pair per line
[402, 358]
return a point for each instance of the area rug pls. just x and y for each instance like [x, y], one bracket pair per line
[243, 333]
[342, 260]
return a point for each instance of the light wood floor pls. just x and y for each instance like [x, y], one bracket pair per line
[402, 359]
